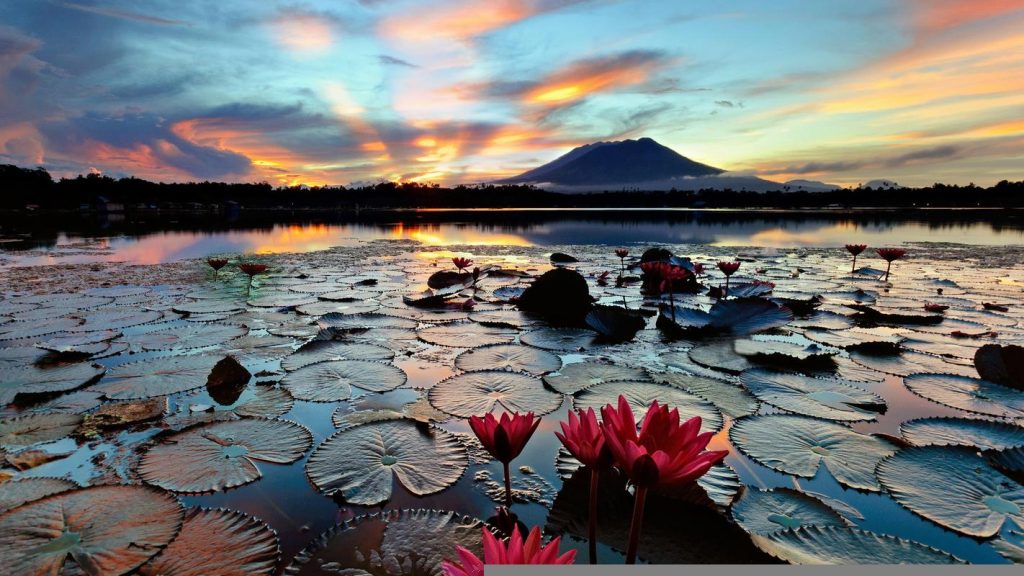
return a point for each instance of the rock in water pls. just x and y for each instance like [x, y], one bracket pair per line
[226, 381]
[563, 258]
[656, 255]
[560, 295]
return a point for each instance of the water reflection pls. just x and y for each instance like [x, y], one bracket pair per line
[74, 239]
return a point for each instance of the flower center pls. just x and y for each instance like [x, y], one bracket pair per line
[388, 460]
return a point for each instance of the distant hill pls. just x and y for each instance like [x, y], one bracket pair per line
[641, 164]
[882, 184]
[811, 185]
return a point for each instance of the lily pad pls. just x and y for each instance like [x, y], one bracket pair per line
[360, 464]
[560, 339]
[799, 445]
[720, 355]
[970, 394]
[391, 543]
[466, 335]
[954, 487]
[984, 434]
[419, 411]
[104, 530]
[823, 398]
[331, 350]
[907, 363]
[37, 428]
[477, 393]
[513, 357]
[189, 336]
[332, 307]
[641, 395]
[734, 317]
[116, 319]
[32, 329]
[222, 455]
[733, 400]
[770, 511]
[209, 306]
[364, 321]
[18, 492]
[843, 546]
[157, 377]
[31, 379]
[333, 381]
[871, 340]
[573, 378]
[217, 543]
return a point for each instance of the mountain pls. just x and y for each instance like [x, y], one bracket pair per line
[800, 185]
[641, 164]
[882, 184]
[615, 163]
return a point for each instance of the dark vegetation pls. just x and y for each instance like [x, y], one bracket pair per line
[35, 187]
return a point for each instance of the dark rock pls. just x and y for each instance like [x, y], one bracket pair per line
[1001, 364]
[562, 258]
[561, 296]
[226, 381]
[656, 255]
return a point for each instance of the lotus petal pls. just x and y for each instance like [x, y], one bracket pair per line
[641, 395]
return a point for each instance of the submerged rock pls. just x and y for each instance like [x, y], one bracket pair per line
[227, 380]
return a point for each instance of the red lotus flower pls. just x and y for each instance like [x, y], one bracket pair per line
[462, 263]
[217, 263]
[505, 439]
[890, 254]
[728, 268]
[583, 438]
[856, 249]
[929, 307]
[698, 268]
[252, 269]
[516, 551]
[621, 252]
[664, 453]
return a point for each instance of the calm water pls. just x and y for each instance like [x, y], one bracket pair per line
[163, 238]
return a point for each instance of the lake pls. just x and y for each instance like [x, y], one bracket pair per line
[157, 238]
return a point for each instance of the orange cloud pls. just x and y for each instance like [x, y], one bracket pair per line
[303, 33]
[459, 20]
[937, 15]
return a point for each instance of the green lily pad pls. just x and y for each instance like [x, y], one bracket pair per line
[217, 543]
[157, 377]
[513, 357]
[970, 394]
[954, 487]
[477, 393]
[770, 511]
[823, 398]
[984, 434]
[333, 381]
[104, 530]
[799, 445]
[222, 455]
[361, 463]
[844, 546]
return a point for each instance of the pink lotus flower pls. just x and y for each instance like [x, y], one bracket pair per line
[516, 551]
[890, 254]
[462, 263]
[251, 269]
[583, 438]
[664, 453]
[621, 252]
[728, 268]
[217, 263]
[855, 250]
[505, 438]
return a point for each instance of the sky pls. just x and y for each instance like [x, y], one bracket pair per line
[456, 91]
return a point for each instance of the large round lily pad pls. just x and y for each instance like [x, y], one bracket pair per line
[36, 428]
[907, 363]
[477, 393]
[984, 434]
[954, 487]
[189, 336]
[30, 379]
[360, 464]
[508, 357]
[641, 395]
[798, 445]
[770, 511]
[330, 350]
[970, 394]
[732, 399]
[157, 377]
[823, 398]
[333, 381]
[391, 543]
[223, 454]
[17, 492]
[466, 335]
[561, 339]
[217, 543]
[104, 530]
[843, 546]
[573, 378]
[116, 318]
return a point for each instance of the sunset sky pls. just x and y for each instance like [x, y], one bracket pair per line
[450, 91]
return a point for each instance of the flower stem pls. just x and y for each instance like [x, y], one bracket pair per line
[672, 304]
[726, 293]
[592, 516]
[634, 527]
[854, 267]
[508, 486]
[887, 268]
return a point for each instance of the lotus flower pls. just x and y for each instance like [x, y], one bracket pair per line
[516, 551]
[621, 252]
[855, 249]
[505, 439]
[665, 453]
[728, 268]
[583, 438]
[462, 263]
[217, 263]
[890, 254]
[251, 269]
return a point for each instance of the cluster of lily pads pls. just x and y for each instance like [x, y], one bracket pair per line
[793, 365]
